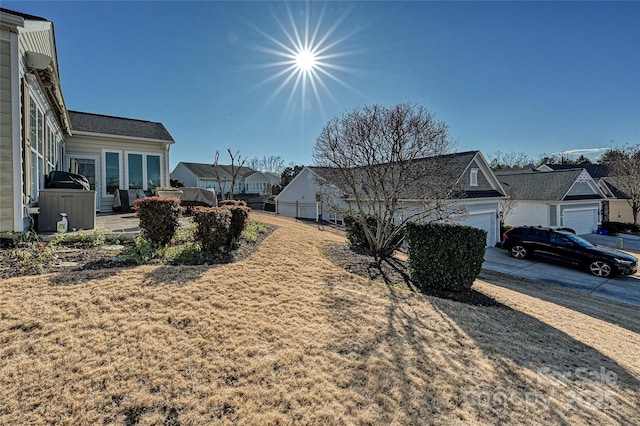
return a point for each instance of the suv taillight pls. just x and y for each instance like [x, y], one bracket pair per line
[505, 236]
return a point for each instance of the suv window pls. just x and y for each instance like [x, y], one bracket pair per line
[539, 234]
[560, 239]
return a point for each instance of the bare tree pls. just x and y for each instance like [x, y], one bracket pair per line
[383, 162]
[507, 205]
[237, 162]
[510, 160]
[272, 164]
[624, 172]
[255, 164]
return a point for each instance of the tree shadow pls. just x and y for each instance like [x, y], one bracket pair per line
[175, 275]
[432, 360]
[613, 312]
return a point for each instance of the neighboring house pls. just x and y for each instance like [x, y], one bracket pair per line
[565, 198]
[248, 181]
[117, 153]
[39, 135]
[616, 207]
[260, 182]
[480, 194]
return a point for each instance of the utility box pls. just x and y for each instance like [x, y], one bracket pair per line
[78, 204]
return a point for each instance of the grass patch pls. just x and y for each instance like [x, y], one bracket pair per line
[288, 337]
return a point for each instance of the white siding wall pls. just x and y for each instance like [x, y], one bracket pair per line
[94, 146]
[185, 176]
[6, 136]
[534, 213]
[298, 199]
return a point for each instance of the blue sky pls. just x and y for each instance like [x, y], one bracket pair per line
[532, 77]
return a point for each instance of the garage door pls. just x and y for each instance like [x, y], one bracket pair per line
[486, 221]
[581, 221]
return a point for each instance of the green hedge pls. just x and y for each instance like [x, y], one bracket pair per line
[158, 218]
[445, 256]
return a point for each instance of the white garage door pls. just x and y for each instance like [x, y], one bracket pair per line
[581, 221]
[486, 221]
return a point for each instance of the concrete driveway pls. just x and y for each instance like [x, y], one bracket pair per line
[624, 289]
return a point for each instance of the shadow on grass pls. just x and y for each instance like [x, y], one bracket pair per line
[620, 314]
[569, 374]
[424, 359]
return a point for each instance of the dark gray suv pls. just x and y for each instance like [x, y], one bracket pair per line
[566, 247]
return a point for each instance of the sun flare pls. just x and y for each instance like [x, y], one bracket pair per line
[309, 56]
[306, 60]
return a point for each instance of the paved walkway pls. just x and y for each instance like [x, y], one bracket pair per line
[118, 223]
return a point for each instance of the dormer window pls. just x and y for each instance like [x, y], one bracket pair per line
[473, 181]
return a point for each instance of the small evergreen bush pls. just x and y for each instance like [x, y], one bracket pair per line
[158, 218]
[212, 227]
[356, 236]
[444, 256]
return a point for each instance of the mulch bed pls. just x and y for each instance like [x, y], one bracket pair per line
[394, 272]
[33, 258]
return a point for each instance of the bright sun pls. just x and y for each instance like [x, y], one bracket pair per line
[305, 60]
[307, 53]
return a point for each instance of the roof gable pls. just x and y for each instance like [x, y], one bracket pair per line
[557, 185]
[117, 126]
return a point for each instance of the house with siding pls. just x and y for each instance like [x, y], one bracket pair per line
[564, 198]
[201, 175]
[477, 194]
[39, 135]
[117, 153]
[616, 207]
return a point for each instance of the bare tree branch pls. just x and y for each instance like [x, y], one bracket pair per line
[385, 162]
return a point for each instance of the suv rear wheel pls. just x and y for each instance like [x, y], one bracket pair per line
[519, 252]
[600, 268]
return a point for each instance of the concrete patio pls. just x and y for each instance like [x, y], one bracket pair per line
[118, 223]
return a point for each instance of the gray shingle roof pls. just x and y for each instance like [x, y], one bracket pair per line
[552, 186]
[446, 169]
[105, 124]
[595, 170]
[207, 171]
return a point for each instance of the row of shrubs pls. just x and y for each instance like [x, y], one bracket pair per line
[441, 256]
[615, 227]
[217, 228]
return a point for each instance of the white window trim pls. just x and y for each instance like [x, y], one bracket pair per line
[49, 124]
[145, 183]
[473, 177]
[98, 163]
[103, 177]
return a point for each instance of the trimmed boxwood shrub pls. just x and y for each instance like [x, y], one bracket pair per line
[444, 256]
[356, 236]
[212, 227]
[158, 218]
[239, 219]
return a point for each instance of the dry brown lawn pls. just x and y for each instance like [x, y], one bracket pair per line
[288, 337]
